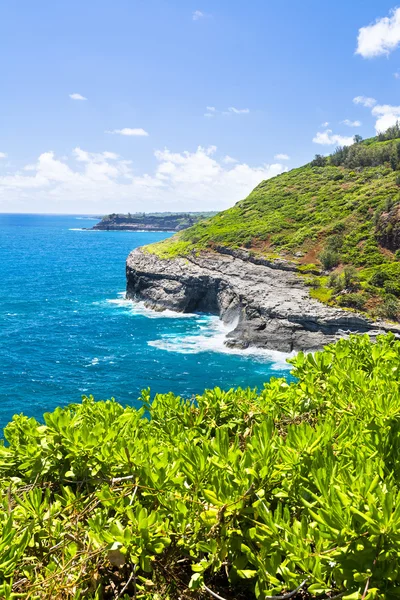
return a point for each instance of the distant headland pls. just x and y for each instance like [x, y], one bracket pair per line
[167, 221]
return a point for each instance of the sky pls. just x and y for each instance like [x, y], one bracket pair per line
[151, 105]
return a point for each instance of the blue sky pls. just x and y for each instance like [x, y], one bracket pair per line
[272, 73]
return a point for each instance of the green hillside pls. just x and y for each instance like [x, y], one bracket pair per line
[337, 217]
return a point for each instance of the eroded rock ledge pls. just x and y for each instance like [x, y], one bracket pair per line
[268, 307]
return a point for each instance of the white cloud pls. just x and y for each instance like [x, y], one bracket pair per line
[351, 123]
[282, 157]
[197, 15]
[3, 155]
[77, 97]
[381, 37]
[326, 124]
[104, 182]
[387, 116]
[212, 111]
[229, 160]
[129, 131]
[328, 138]
[365, 101]
[238, 111]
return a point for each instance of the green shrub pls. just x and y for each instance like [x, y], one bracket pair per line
[392, 287]
[329, 259]
[250, 494]
[351, 280]
[354, 300]
[379, 278]
[390, 308]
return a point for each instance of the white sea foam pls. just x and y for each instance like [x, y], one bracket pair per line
[210, 335]
[139, 309]
[211, 338]
[83, 229]
[93, 362]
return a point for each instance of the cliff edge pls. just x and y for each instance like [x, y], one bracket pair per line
[268, 307]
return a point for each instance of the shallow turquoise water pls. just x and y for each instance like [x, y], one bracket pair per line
[65, 329]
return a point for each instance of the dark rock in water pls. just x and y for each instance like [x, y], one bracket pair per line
[268, 307]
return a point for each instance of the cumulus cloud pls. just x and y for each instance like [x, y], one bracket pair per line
[364, 101]
[386, 114]
[351, 123]
[326, 124]
[282, 157]
[129, 131]
[77, 97]
[328, 138]
[381, 37]
[3, 155]
[197, 15]
[104, 182]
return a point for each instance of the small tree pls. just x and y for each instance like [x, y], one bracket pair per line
[319, 161]
[351, 281]
[357, 139]
[390, 308]
[329, 258]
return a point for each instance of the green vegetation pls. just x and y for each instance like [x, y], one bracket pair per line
[246, 494]
[339, 210]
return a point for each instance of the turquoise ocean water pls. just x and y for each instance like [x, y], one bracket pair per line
[66, 329]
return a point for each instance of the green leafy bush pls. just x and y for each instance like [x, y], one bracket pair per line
[329, 258]
[352, 300]
[246, 494]
[392, 287]
[390, 308]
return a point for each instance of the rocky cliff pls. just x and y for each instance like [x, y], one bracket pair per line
[267, 304]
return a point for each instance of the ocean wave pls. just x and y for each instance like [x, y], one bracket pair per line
[82, 229]
[209, 336]
[212, 339]
[139, 309]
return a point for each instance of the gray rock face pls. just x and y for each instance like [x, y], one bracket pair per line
[268, 307]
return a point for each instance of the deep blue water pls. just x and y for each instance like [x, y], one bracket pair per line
[65, 329]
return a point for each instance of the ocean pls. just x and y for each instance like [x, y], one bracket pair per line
[66, 329]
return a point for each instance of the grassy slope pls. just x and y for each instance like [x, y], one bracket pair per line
[296, 214]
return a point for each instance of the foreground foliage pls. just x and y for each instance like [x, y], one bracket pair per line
[246, 494]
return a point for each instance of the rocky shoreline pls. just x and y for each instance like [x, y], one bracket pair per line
[267, 304]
